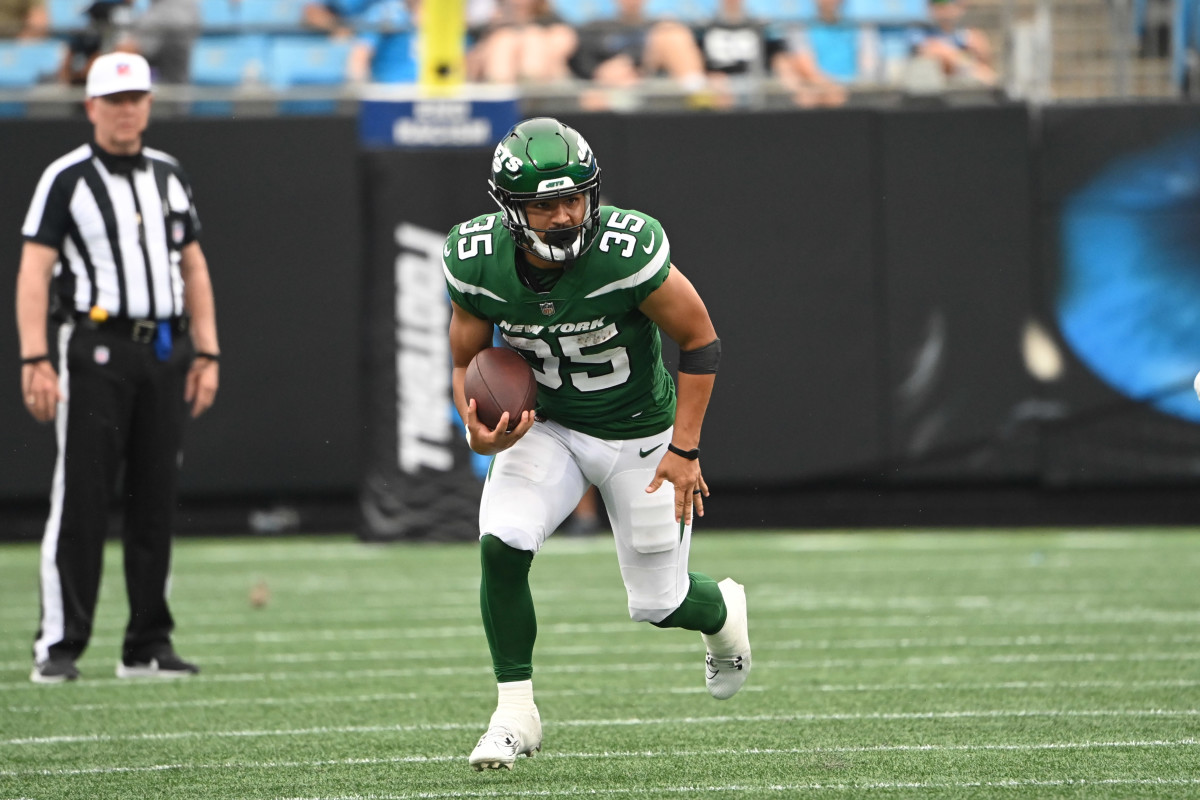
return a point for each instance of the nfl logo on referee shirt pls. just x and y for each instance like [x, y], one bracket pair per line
[177, 232]
[101, 354]
[547, 308]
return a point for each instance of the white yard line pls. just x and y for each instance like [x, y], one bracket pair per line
[826, 688]
[473, 654]
[942, 542]
[647, 754]
[762, 621]
[569, 669]
[784, 788]
[228, 632]
[623, 723]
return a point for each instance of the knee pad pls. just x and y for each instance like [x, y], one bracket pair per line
[648, 520]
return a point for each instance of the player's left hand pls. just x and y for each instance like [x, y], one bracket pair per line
[203, 378]
[690, 488]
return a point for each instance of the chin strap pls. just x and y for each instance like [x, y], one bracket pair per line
[515, 220]
[547, 251]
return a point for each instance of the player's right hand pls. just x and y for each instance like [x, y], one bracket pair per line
[489, 442]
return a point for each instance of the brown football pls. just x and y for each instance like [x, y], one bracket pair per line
[499, 380]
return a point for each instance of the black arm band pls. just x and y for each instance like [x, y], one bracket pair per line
[209, 356]
[702, 360]
[690, 455]
[34, 360]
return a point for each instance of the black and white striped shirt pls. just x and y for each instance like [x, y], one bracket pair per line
[119, 224]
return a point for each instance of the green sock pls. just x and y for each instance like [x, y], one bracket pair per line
[507, 605]
[702, 610]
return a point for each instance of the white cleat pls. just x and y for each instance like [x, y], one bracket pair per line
[505, 740]
[727, 662]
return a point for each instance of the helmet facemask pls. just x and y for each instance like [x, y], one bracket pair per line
[542, 159]
[551, 244]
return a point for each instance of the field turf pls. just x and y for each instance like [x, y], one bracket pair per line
[1016, 665]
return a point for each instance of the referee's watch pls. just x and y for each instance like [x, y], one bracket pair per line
[690, 455]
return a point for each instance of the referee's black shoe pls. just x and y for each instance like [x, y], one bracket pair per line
[162, 662]
[54, 670]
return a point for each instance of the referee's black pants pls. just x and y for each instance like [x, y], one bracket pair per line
[122, 406]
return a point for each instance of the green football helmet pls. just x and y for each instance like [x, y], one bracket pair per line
[542, 158]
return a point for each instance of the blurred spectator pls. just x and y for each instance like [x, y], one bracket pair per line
[385, 34]
[385, 43]
[963, 55]
[740, 51]
[334, 17]
[525, 42]
[1152, 22]
[24, 19]
[164, 34]
[338, 17]
[830, 53]
[107, 27]
[620, 52]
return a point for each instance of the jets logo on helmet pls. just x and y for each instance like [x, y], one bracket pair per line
[541, 159]
[505, 160]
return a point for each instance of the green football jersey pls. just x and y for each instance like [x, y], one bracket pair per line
[597, 358]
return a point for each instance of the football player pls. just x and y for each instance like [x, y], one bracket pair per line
[581, 291]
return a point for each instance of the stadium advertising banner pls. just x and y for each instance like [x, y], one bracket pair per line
[1120, 236]
[420, 480]
[392, 116]
[955, 272]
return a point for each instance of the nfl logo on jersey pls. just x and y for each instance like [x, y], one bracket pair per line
[547, 308]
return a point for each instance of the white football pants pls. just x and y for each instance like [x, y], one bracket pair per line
[535, 484]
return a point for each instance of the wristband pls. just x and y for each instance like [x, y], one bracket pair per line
[34, 360]
[209, 356]
[690, 455]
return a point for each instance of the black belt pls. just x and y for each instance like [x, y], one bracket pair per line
[139, 330]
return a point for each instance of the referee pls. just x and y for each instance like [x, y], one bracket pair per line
[137, 347]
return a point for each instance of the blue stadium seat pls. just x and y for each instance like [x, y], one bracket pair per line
[580, 12]
[684, 10]
[228, 60]
[306, 61]
[219, 14]
[894, 42]
[1185, 40]
[782, 10]
[886, 11]
[67, 15]
[278, 15]
[23, 63]
[1140, 8]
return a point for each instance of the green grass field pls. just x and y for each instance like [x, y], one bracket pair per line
[1039, 664]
